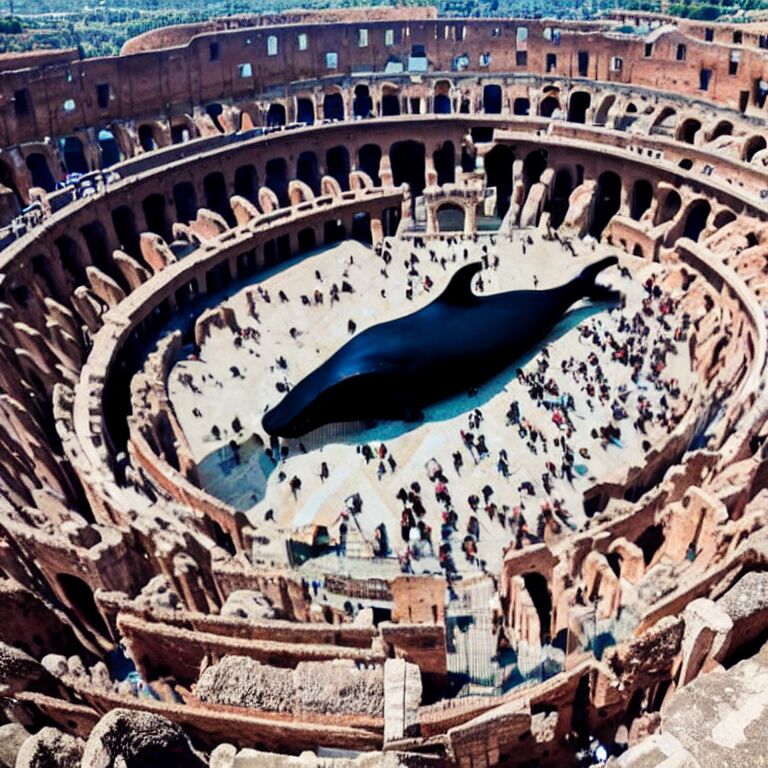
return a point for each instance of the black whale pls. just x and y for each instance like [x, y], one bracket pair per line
[393, 370]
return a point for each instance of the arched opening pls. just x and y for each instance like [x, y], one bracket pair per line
[154, 213]
[752, 146]
[362, 104]
[334, 232]
[361, 227]
[147, 138]
[214, 111]
[96, 241]
[275, 115]
[40, 172]
[723, 128]
[73, 155]
[722, 218]
[307, 240]
[561, 193]
[110, 152]
[217, 197]
[640, 199]
[125, 229]
[79, 596]
[247, 183]
[185, 201]
[442, 104]
[521, 106]
[601, 116]
[390, 220]
[407, 159]
[498, 173]
[670, 207]
[538, 589]
[650, 541]
[305, 111]
[369, 161]
[444, 158]
[337, 165]
[333, 106]
[664, 122]
[548, 105]
[450, 218]
[578, 105]
[180, 133]
[696, 220]
[688, 130]
[307, 171]
[277, 179]
[492, 99]
[606, 203]
[68, 257]
[534, 165]
[390, 104]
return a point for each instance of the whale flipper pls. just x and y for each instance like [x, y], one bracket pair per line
[459, 289]
[586, 279]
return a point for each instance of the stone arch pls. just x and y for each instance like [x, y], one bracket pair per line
[752, 146]
[217, 196]
[723, 217]
[276, 115]
[498, 173]
[493, 101]
[73, 155]
[687, 130]
[185, 201]
[362, 103]
[601, 115]
[305, 109]
[108, 148]
[538, 590]
[40, 171]
[277, 179]
[559, 200]
[147, 140]
[450, 217]
[337, 165]
[307, 240]
[390, 100]
[548, 105]
[369, 161]
[578, 104]
[333, 106]
[247, 183]
[444, 159]
[308, 171]
[521, 106]
[214, 110]
[154, 214]
[534, 165]
[640, 198]
[607, 202]
[125, 229]
[721, 128]
[664, 122]
[669, 207]
[408, 164]
[650, 542]
[696, 217]
[441, 103]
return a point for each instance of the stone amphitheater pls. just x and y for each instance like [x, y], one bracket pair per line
[190, 227]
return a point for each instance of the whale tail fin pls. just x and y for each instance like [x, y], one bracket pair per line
[587, 276]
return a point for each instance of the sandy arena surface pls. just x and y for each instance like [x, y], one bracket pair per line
[235, 386]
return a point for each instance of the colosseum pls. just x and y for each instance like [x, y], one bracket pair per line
[564, 565]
